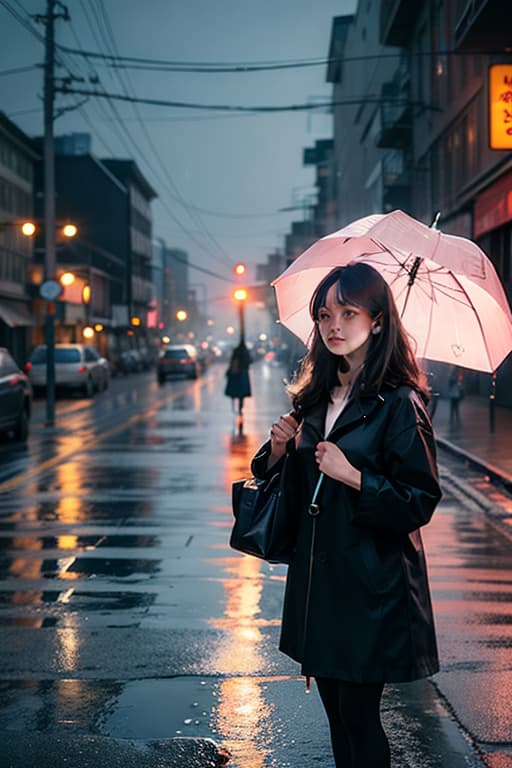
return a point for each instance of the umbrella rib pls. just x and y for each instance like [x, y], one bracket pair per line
[472, 306]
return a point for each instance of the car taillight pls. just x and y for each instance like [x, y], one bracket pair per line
[82, 369]
[27, 367]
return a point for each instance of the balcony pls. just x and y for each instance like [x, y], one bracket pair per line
[483, 26]
[397, 19]
[396, 127]
[396, 182]
[395, 111]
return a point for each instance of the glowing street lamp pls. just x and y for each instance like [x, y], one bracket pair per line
[240, 295]
[28, 228]
[69, 230]
[67, 278]
[181, 315]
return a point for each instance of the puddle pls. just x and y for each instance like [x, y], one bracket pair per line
[161, 709]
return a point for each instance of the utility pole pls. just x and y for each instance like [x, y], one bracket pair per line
[49, 206]
[50, 289]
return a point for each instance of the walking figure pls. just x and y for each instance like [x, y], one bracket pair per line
[455, 395]
[357, 611]
[238, 383]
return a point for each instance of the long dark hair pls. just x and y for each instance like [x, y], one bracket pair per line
[390, 360]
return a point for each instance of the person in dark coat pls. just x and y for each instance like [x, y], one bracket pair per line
[238, 383]
[455, 395]
[357, 610]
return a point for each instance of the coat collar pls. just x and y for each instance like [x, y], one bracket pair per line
[354, 411]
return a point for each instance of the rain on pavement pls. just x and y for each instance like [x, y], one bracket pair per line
[124, 613]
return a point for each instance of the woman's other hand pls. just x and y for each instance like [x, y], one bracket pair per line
[333, 463]
[281, 432]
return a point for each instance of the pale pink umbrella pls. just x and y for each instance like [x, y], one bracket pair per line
[452, 317]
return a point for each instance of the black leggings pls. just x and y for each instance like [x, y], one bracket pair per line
[353, 710]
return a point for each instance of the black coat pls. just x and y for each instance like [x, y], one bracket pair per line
[357, 604]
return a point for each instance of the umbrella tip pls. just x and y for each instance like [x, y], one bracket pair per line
[435, 221]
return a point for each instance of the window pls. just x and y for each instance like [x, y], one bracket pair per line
[91, 356]
[7, 364]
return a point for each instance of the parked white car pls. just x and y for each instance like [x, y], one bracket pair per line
[77, 366]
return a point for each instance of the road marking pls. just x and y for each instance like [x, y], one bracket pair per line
[14, 482]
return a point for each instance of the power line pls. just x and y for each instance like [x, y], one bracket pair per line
[134, 62]
[19, 70]
[64, 88]
[220, 66]
[24, 23]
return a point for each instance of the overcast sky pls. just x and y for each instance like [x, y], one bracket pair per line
[240, 168]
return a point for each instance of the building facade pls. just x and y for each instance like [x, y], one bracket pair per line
[416, 136]
[138, 221]
[18, 156]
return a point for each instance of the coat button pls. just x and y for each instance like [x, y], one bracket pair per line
[322, 557]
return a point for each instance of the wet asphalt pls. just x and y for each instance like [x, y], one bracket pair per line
[128, 626]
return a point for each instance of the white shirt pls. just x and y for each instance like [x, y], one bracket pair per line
[334, 409]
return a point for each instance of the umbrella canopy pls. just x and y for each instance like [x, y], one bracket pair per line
[403, 235]
[451, 316]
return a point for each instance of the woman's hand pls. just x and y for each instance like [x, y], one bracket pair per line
[281, 432]
[332, 462]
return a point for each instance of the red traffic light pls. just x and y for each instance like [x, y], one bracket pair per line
[239, 269]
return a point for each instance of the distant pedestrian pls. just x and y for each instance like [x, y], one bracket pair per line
[238, 382]
[455, 395]
[357, 611]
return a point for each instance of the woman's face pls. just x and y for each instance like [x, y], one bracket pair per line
[344, 328]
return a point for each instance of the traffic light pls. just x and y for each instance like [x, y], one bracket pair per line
[239, 269]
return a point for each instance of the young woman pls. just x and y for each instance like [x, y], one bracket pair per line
[357, 611]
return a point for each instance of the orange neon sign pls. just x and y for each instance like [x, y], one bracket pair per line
[500, 106]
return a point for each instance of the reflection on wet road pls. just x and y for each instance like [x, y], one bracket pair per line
[471, 570]
[124, 612]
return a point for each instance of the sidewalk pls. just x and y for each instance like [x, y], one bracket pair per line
[473, 439]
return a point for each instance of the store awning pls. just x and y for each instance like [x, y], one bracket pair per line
[15, 314]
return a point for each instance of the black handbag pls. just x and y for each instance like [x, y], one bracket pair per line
[263, 525]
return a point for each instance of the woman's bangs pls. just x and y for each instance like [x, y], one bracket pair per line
[343, 294]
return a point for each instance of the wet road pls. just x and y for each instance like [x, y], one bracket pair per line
[123, 613]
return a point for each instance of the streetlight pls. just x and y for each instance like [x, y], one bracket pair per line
[50, 289]
[240, 295]
[181, 315]
[28, 228]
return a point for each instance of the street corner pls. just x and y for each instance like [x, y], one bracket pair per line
[90, 751]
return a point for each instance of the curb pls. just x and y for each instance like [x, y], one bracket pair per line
[495, 473]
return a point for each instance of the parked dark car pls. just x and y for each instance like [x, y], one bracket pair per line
[15, 398]
[176, 359]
